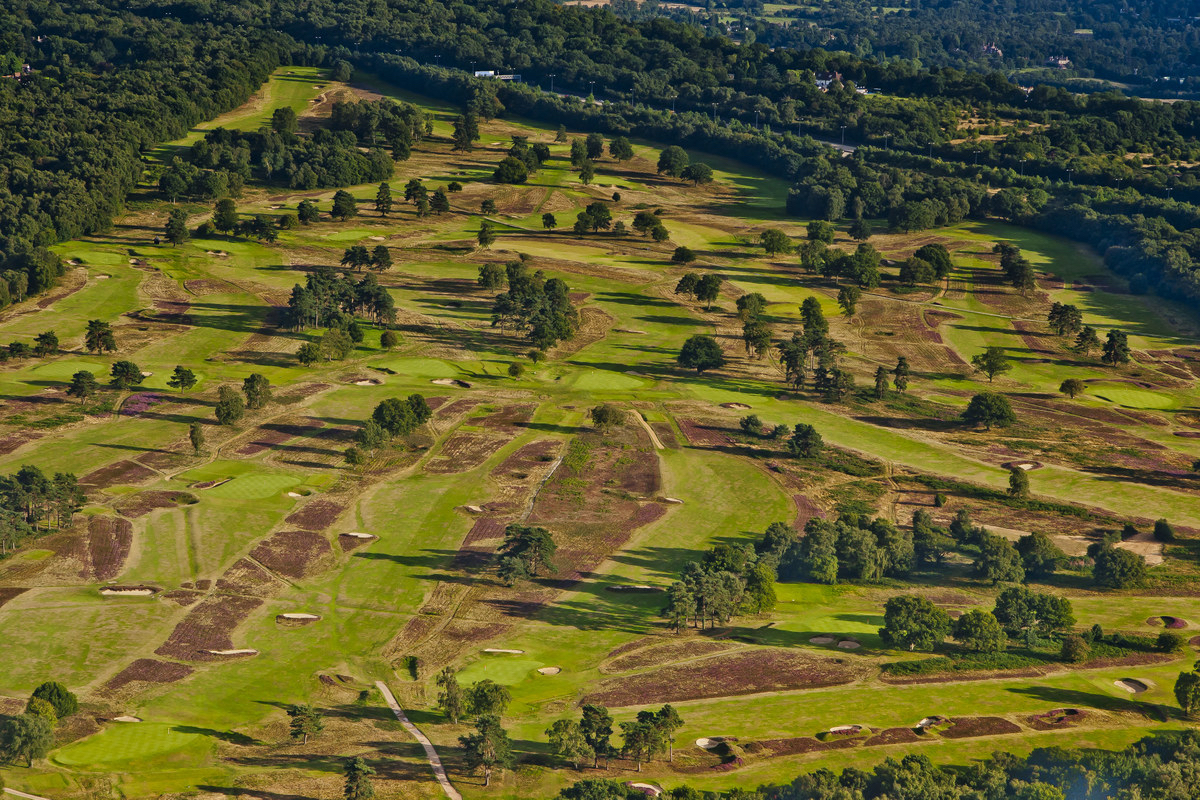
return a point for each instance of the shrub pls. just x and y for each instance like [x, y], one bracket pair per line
[1169, 642]
[1074, 649]
[64, 702]
[1163, 531]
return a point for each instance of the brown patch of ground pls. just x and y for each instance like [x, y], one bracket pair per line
[719, 676]
[204, 286]
[806, 509]
[147, 670]
[463, 452]
[1056, 719]
[294, 554]
[459, 406]
[11, 442]
[666, 435]
[119, 473]
[208, 626]
[638, 471]
[508, 418]
[161, 460]
[894, 736]
[704, 434]
[665, 653]
[264, 440]
[316, 515]
[143, 503]
[967, 727]
[799, 744]
[183, 597]
[529, 459]
[9, 592]
[246, 577]
[479, 545]
[348, 542]
[109, 540]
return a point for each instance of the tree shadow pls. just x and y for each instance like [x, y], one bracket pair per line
[230, 737]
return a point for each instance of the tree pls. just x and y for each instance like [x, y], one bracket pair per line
[848, 297]
[998, 560]
[1018, 483]
[596, 725]
[308, 354]
[701, 353]
[381, 258]
[860, 229]
[230, 406]
[683, 255]
[900, 374]
[196, 436]
[534, 547]
[594, 143]
[979, 632]
[305, 721]
[991, 362]
[1075, 650]
[358, 780]
[1116, 348]
[1163, 531]
[99, 337]
[667, 720]
[439, 203]
[177, 229]
[568, 742]
[1187, 692]
[989, 409]
[64, 701]
[697, 173]
[587, 172]
[881, 383]
[511, 170]
[775, 241]
[1065, 319]
[1018, 609]
[1072, 387]
[549, 221]
[708, 289]
[1087, 340]
[1117, 568]
[83, 385]
[672, 161]
[307, 212]
[383, 199]
[486, 236]
[1040, 556]
[182, 379]
[451, 699]
[492, 276]
[45, 344]
[344, 206]
[257, 389]
[820, 230]
[620, 149]
[225, 215]
[283, 120]
[913, 622]
[38, 707]
[806, 442]
[606, 416]
[488, 748]
[28, 736]
[125, 374]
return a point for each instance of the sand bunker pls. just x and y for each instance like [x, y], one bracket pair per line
[298, 615]
[646, 789]
[549, 670]
[128, 591]
[710, 742]
[474, 509]
[357, 535]
[502, 650]
[821, 640]
[673, 501]
[126, 718]
[451, 382]
[738, 406]
[842, 730]
[929, 722]
[239, 652]
[1023, 465]
[295, 494]
[103, 277]
[1131, 685]
[368, 382]
[146, 374]
[849, 644]
[627, 587]
[376, 238]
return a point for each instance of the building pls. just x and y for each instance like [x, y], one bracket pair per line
[827, 79]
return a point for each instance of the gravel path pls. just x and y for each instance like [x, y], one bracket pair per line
[435, 760]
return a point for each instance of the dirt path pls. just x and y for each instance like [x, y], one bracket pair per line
[658, 445]
[435, 760]
[22, 794]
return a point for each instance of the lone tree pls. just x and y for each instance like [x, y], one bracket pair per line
[383, 199]
[451, 698]
[28, 736]
[257, 389]
[683, 255]
[488, 748]
[1018, 483]
[1087, 340]
[177, 230]
[225, 215]
[344, 206]
[806, 442]
[672, 161]
[1072, 387]
[1117, 568]
[83, 385]
[125, 374]
[606, 416]
[989, 409]
[182, 379]
[701, 353]
[549, 221]
[99, 337]
[358, 780]
[524, 552]
[1116, 348]
[913, 622]
[196, 436]
[774, 242]
[306, 721]
[991, 362]
[1187, 692]
[847, 298]
[486, 236]
[487, 697]
[230, 407]
[980, 632]
[64, 701]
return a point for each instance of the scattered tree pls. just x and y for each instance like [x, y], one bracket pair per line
[980, 632]
[991, 362]
[358, 780]
[1072, 387]
[913, 622]
[230, 406]
[305, 721]
[989, 409]
[83, 385]
[125, 374]
[196, 436]
[701, 353]
[488, 748]
[99, 337]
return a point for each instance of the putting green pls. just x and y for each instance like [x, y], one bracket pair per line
[254, 487]
[1133, 397]
[505, 669]
[125, 742]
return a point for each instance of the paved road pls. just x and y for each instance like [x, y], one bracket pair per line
[435, 760]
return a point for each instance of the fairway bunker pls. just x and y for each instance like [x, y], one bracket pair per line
[126, 718]
[929, 722]
[474, 509]
[628, 587]
[845, 730]
[849, 644]
[369, 382]
[549, 670]
[822, 640]
[503, 651]
[242, 651]
[296, 618]
[675, 501]
[129, 591]
[1132, 685]
[713, 742]
[738, 406]
[1026, 466]
[451, 382]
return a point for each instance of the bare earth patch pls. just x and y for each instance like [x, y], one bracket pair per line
[294, 554]
[147, 670]
[316, 515]
[109, 540]
[967, 727]
[208, 627]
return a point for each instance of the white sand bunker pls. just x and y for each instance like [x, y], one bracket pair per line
[849, 644]
[502, 650]
[245, 651]
[295, 494]
[930, 721]
[128, 591]
[738, 406]
[357, 535]
[1132, 685]
[821, 640]
[368, 382]
[146, 374]
[646, 789]
[844, 729]
[630, 587]
[549, 670]
[474, 509]
[126, 718]
[376, 238]
[673, 500]
[710, 742]
[299, 615]
[451, 382]
[103, 277]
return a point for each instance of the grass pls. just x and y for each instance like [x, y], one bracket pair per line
[728, 495]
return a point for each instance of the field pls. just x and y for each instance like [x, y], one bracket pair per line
[256, 524]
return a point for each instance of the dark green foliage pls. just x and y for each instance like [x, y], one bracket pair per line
[1117, 568]
[525, 552]
[1039, 554]
[912, 622]
[536, 306]
[182, 379]
[1019, 610]
[989, 409]
[701, 353]
[979, 631]
[257, 389]
[511, 170]
[230, 407]
[358, 778]
[806, 442]
[991, 362]
[126, 374]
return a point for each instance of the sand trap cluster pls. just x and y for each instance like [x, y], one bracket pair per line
[368, 382]
[738, 406]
